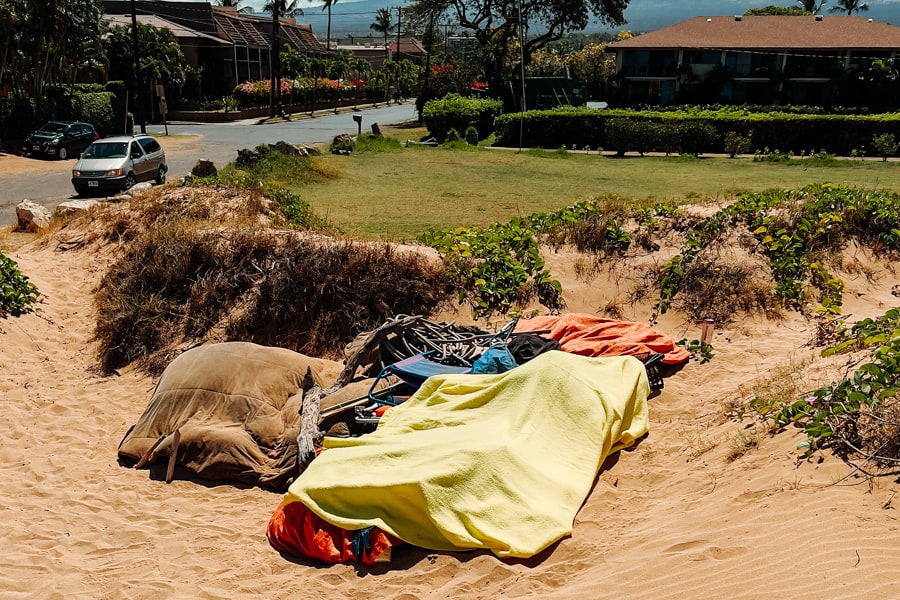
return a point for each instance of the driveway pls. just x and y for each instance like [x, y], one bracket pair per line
[48, 182]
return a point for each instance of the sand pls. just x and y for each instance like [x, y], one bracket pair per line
[679, 516]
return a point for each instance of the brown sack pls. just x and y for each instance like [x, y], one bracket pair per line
[236, 406]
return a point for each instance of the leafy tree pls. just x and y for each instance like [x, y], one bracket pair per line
[495, 27]
[47, 41]
[293, 63]
[772, 10]
[594, 67]
[161, 58]
[849, 6]
[546, 63]
[383, 25]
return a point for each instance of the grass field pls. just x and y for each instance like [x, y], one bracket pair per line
[397, 195]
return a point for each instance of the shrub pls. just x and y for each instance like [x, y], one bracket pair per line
[735, 143]
[886, 144]
[472, 135]
[696, 137]
[17, 295]
[457, 112]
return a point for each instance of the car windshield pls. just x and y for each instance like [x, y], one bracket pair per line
[53, 128]
[106, 150]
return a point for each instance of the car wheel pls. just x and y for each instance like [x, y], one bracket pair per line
[161, 176]
[129, 181]
[63, 153]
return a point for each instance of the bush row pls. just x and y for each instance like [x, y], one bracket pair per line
[256, 94]
[103, 106]
[457, 112]
[625, 130]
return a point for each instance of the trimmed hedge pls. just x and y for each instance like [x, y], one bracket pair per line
[694, 131]
[456, 112]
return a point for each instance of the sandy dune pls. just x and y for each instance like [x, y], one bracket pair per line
[682, 515]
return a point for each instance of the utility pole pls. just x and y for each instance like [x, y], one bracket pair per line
[273, 63]
[138, 105]
[399, 10]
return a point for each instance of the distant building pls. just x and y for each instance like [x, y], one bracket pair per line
[750, 59]
[229, 46]
[370, 47]
[410, 48]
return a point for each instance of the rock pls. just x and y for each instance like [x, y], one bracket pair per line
[140, 188]
[288, 149]
[247, 158]
[32, 216]
[204, 168]
[74, 206]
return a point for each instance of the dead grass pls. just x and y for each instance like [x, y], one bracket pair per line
[199, 264]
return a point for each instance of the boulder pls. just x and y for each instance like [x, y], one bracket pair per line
[247, 158]
[31, 216]
[140, 188]
[204, 168]
[75, 206]
[289, 149]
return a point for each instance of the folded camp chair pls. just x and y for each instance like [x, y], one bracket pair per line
[408, 375]
[652, 364]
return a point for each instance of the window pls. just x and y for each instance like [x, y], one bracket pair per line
[136, 150]
[150, 145]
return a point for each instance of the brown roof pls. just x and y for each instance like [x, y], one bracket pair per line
[771, 32]
[241, 30]
[179, 31]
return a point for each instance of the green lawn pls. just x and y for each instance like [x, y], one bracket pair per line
[397, 195]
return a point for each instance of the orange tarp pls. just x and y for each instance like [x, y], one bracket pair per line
[589, 335]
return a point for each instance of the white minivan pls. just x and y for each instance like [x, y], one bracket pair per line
[117, 163]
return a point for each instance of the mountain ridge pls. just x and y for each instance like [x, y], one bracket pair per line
[353, 17]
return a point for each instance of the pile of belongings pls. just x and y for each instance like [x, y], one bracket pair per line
[496, 450]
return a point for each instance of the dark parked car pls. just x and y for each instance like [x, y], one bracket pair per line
[61, 138]
[117, 163]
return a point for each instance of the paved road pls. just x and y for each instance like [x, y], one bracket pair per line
[48, 182]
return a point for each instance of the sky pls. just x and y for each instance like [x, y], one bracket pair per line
[354, 16]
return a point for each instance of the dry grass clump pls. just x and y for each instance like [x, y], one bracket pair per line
[198, 264]
[872, 435]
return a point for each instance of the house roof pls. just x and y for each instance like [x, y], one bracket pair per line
[179, 31]
[242, 30]
[770, 32]
[220, 21]
[410, 46]
[195, 15]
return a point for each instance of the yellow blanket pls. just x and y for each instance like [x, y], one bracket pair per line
[501, 462]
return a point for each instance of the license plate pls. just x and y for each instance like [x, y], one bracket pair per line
[92, 184]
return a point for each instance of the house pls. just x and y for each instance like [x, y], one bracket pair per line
[752, 59]
[370, 48]
[410, 48]
[230, 47]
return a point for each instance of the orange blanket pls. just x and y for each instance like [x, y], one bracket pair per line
[589, 335]
[294, 530]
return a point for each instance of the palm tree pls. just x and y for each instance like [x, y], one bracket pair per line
[849, 6]
[383, 25]
[811, 6]
[327, 6]
[278, 8]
